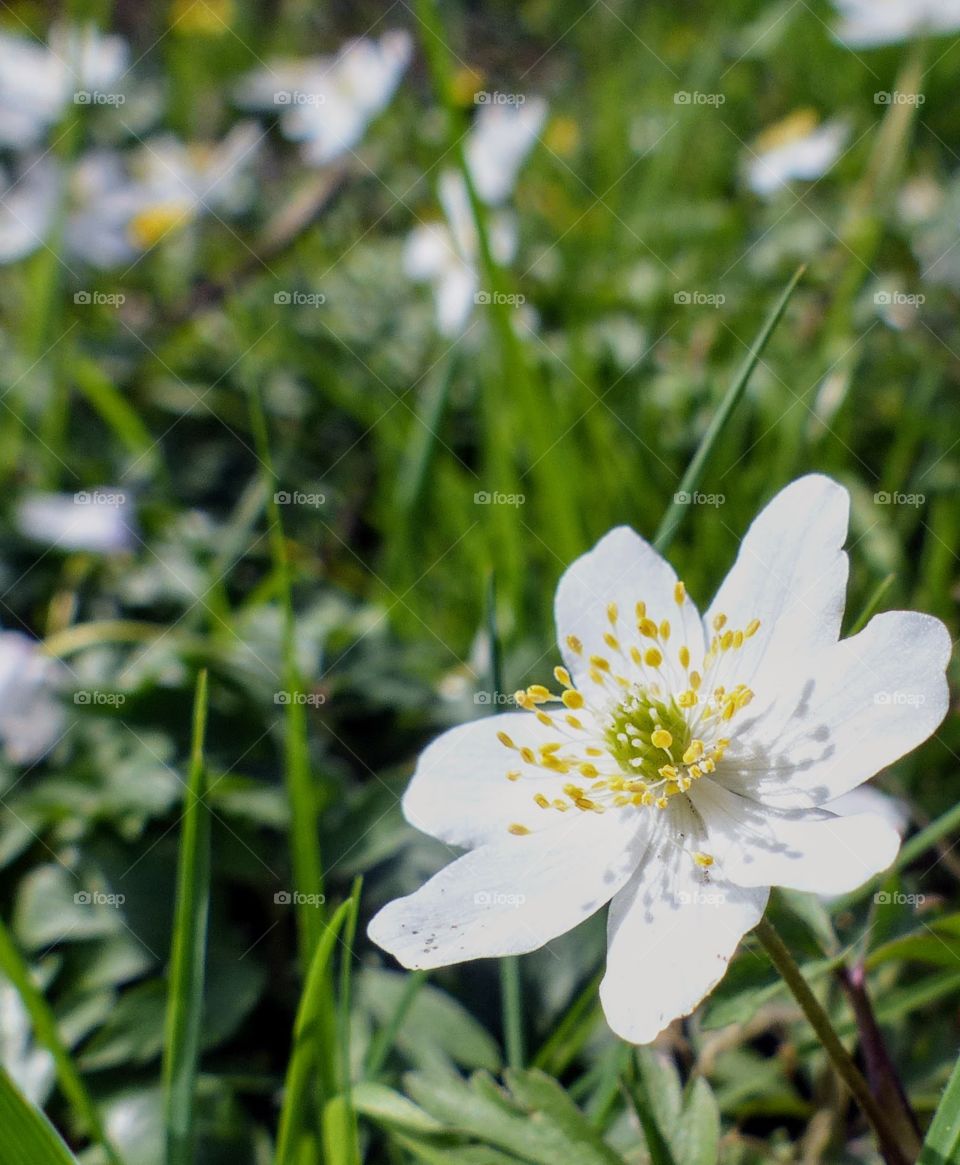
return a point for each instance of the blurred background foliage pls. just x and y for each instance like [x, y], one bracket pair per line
[629, 199]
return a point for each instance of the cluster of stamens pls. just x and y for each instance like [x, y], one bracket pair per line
[637, 741]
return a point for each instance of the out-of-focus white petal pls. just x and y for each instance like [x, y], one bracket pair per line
[498, 142]
[870, 23]
[99, 520]
[28, 209]
[31, 715]
[806, 158]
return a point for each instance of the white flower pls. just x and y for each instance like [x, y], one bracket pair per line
[683, 768]
[119, 206]
[38, 82]
[327, 102]
[28, 208]
[866, 23]
[31, 716]
[795, 148]
[98, 520]
[447, 254]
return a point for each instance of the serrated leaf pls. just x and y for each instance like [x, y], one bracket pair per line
[387, 1107]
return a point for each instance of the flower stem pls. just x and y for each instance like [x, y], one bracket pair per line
[894, 1151]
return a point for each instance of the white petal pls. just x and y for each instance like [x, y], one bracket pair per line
[671, 933]
[623, 569]
[512, 898]
[855, 708]
[791, 574]
[460, 792]
[805, 849]
[867, 799]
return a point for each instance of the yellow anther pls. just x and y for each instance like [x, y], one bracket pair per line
[719, 622]
[595, 675]
[594, 751]
[513, 775]
[694, 752]
[539, 694]
[611, 641]
[517, 829]
[726, 639]
[641, 611]
[572, 698]
[684, 656]
[703, 860]
[563, 806]
[527, 755]
[553, 746]
[636, 656]
[695, 772]
[545, 719]
[737, 640]
[588, 770]
[679, 594]
[695, 681]
[612, 612]
[600, 663]
[562, 676]
[574, 644]
[648, 628]
[752, 628]
[653, 658]
[661, 738]
[505, 740]
[668, 772]
[574, 792]
[708, 765]
[687, 699]
[542, 801]
[574, 722]
[662, 802]
[665, 630]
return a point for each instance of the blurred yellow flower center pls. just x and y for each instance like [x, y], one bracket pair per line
[206, 17]
[792, 128]
[639, 739]
[147, 228]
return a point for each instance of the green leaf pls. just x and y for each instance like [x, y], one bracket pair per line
[535, 1120]
[185, 997]
[942, 1142]
[697, 1135]
[392, 1109]
[26, 1136]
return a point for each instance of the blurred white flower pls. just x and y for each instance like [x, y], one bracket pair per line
[117, 206]
[99, 520]
[30, 1066]
[447, 254]
[327, 102]
[867, 23]
[38, 82]
[683, 767]
[28, 208]
[795, 148]
[31, 715]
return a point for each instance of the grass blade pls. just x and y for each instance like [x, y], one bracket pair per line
[694, 474]
[185, 992]
[942, 1143]
[47, 1035]
[26, 1136]
[309, 1025]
